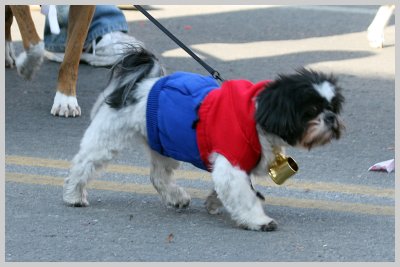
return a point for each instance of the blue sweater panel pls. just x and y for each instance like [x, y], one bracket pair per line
[171, 115]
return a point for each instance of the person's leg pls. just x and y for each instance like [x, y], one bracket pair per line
[108, 38]
[105, 41]
[106, 19]
[57, 42]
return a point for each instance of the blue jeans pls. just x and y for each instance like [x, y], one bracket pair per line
[106, 19]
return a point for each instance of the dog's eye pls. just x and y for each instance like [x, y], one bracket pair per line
[312, 112]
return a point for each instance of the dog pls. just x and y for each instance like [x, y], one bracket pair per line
[28, 62]
[233, 130]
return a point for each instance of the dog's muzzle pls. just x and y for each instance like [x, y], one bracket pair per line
[334, 123]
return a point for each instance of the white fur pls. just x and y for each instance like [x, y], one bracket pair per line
[234, 190]
[326, 90]
[112, 130]
[64, 105]
[29, 61]
[109, 132]
[270, 146]
[102, 97]
[161, 176]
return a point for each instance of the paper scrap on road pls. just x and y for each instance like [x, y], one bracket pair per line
[387, 166]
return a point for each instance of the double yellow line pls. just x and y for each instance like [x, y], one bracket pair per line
[196, 193]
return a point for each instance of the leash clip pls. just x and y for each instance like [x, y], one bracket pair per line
[217, 76]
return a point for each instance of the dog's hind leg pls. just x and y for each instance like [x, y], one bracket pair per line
[234, 190]
[161, 171]
[90, 160]
[9, 49]
[29, 61]
[107, 135]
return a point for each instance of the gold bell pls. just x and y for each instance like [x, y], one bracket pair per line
[283, 168]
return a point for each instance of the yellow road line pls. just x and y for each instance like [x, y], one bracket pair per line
[196, 193]
[197, 175]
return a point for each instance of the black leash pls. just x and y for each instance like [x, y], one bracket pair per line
[213, 72]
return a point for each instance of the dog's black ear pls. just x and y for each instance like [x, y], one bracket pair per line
[276, 113]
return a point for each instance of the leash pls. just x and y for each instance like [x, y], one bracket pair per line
[212, 71]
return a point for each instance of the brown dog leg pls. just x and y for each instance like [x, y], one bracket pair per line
[30, 60]
[9, 49]
[65, 102]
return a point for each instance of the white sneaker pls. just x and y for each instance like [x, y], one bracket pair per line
[54, 56]
[109, 49]
[104, 53]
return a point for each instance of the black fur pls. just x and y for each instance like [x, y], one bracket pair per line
[137, 64]
[286, 105]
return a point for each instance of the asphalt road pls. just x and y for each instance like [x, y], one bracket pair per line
[332, 210]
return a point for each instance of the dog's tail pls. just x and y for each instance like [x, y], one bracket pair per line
[137, 64]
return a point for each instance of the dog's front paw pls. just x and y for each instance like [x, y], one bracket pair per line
[65, 106]
[268, 226]
[271, 226]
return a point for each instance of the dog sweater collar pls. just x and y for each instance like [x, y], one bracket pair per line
[227, 124]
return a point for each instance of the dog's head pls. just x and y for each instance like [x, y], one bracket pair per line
[303, 109]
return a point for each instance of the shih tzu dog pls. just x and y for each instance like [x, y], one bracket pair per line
[232, 130]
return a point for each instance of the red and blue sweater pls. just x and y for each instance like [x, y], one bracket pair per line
[189, 116]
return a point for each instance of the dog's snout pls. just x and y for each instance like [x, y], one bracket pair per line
[330, 118]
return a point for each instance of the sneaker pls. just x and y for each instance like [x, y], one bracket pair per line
[54, 56]
[105, 51]
[109, 49]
